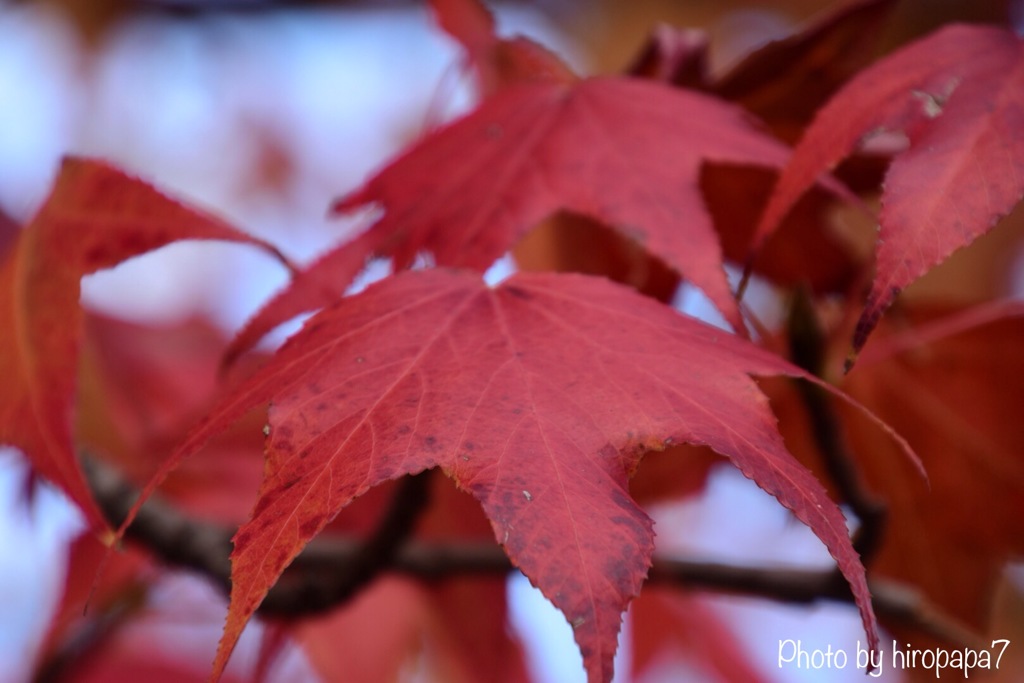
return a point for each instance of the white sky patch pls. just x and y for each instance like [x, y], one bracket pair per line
[500, 270]
[760, 296]
[33, 544]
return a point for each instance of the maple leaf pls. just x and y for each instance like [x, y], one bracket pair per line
[538, 397]
[94, 218]
[958, 94]
[625, 152]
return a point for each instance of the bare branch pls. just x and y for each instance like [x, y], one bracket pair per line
[807, 348]
[317, 579]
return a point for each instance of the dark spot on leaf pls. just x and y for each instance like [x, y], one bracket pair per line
[309, 528]
[519, 293]
[621, 572]
[261, 505]
[242, 537]
[404, 429]
[478, 490]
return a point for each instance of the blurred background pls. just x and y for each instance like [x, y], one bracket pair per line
[263, 112]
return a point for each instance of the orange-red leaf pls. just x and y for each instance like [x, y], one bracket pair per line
[959, 97]
[94, 218]
[539, 398]
[625, 152]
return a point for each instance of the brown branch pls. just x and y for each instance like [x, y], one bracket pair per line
[310, 586]
[807, 349]
[183, 542]
[319, 586]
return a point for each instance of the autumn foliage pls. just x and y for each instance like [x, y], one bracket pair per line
[539, 396]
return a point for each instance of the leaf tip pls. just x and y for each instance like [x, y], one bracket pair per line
[851, 359]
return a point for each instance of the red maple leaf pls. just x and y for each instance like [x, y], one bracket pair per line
[959, 97]
[538, 397]
[95, 218]
[626, 152]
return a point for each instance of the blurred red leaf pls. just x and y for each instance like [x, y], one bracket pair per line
[807, 251]
[141, 387]
[94, 218]
[959, 97]
[785, 82]
[949, 381]
[956, 394]
[666, 622]
[341, 647]
[113, 597]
